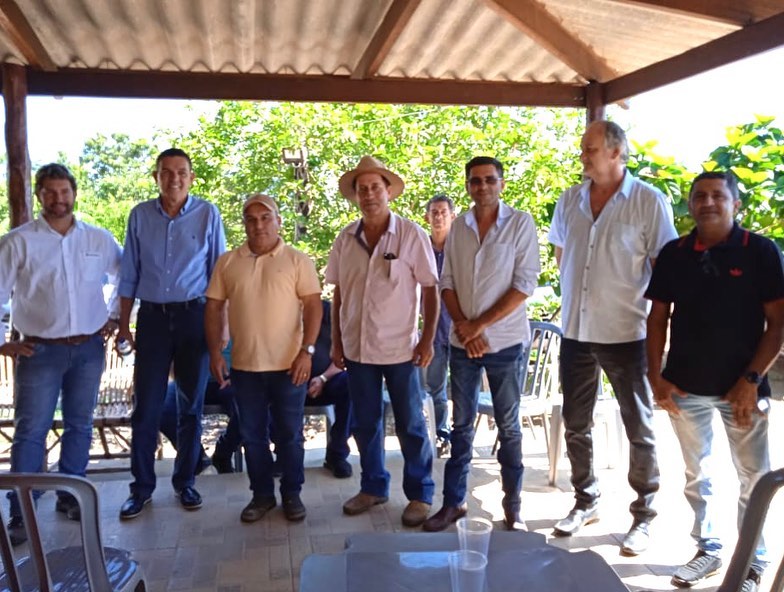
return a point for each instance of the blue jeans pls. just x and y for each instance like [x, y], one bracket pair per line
[435, 379]
[625, 365]
[504, 373]
[76, 371]
[163, 338]
[405, 394]
[259, 394]
[749, 451]
[229, 440]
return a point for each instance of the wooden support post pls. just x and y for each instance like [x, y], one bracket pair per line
[594, 103]
[15, 96]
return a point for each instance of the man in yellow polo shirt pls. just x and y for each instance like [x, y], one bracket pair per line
[274, 318]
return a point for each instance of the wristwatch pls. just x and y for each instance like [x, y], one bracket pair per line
[753, 377]
[323, 378]
[309, 349]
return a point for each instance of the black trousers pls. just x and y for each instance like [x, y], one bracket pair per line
[625, 366]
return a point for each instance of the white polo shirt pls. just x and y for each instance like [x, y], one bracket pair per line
[605, 265]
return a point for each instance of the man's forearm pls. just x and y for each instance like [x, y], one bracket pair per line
[311, 318]
[449, 299]
[213, 325]
[126, 305]
[335, 313]
[768, 348]
[503, 307]
[430, 309]
[656, 339]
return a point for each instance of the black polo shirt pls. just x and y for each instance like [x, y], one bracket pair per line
[718, 318]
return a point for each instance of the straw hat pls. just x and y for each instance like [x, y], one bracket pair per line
[368, 164]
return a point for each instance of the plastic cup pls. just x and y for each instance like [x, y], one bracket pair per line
[467, 571]
[474, 534]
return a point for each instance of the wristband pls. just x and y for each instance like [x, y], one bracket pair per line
[323, 378]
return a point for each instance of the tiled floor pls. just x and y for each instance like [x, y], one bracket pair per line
[211, 549]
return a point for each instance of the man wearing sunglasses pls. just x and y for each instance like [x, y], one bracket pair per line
[720, 289]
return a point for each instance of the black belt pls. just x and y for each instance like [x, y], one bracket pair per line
[166, 307]
[72, 340]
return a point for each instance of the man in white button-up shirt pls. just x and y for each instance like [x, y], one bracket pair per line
[55, 267]
[491, 266]
[607, 233]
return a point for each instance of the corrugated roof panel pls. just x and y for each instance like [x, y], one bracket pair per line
[469, 41]
[630, 36]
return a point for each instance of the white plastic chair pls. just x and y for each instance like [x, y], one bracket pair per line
[89, 567]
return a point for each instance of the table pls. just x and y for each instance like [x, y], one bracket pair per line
[385, 562]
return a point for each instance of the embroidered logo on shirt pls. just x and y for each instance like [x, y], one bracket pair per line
[736, 272]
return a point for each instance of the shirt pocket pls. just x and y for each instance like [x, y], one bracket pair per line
[92, 266]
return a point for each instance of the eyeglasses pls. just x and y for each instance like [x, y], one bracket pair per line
[707, 266]
[477, 181]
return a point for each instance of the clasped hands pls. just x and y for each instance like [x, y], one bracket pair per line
[472, 338]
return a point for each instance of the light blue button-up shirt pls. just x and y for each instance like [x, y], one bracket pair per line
[171, 259]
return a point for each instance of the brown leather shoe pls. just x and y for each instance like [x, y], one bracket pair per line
[362, 502]
[512, 521]
[415, 513]
[444, 517]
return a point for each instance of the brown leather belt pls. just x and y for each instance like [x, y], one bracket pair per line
[72, 340]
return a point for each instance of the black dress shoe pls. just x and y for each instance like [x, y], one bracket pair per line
[189, 498]
[69, 507]
[293, 508]
[16, 531]
[444, 517]
[340, 468]
[133, 506]
[223, 464]
[575, 520]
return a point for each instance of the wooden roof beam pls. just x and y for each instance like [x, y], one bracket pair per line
[267, 87]
[533, 19]
[388, 32]
[728, 12]
[24, 38]
[749, 41]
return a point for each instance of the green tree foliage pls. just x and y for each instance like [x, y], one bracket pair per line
[238, 152]
[754, 152]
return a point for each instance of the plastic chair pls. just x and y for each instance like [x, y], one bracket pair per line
[753, 521]
[540, 379]
[89, 566]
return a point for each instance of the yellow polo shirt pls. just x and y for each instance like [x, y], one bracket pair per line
[265, 312]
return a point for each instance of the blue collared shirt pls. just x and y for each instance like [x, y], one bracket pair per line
[171, 259]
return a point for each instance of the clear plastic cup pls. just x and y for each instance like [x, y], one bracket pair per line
[467, 571]
[474, 534]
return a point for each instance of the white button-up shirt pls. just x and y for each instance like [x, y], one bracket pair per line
[57, 281]
[480, 273]
[605, 265]
[379, 292]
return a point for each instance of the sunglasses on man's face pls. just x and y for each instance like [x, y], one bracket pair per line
[707, 266]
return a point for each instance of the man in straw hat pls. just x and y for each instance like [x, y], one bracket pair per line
[376, 266]
[274, 318]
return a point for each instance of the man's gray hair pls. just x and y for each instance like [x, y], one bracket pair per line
[615, 137]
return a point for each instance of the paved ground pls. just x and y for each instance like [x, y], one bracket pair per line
[210, 550]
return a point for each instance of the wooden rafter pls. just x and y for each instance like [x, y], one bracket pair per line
[729, 12]
[24, 38]
[751, 40]
[533, 19]
[395, 20]
[268, 87]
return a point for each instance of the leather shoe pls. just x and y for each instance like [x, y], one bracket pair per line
[257, 508]
[16, 531]
[575, 520]
[636, 540]
[415, 513]
[189, 498]
[512, 521]
[340, 468]
[293, 508]
[133, 506]
[362, 502]
[68, 506]
[444, 517]
[223, 464]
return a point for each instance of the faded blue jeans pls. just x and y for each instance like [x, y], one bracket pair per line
[435, 380]
[749, 451]
[74, 369]
[504, 373]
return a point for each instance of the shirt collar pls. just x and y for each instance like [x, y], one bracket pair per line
[504, 211]
[77, 225]
[624, 190]
[185, 207]
[735, 237]
[244, 249]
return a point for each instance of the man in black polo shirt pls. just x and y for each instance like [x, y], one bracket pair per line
[724, 287]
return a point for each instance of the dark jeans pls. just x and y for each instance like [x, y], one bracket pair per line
[504, 373]
[229, 440]
[625, 366]
[367, 425]
[435, 380]
[259, 394]
[162, 338]
[336, 393]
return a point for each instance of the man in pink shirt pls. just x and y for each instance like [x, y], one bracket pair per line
[377, 265]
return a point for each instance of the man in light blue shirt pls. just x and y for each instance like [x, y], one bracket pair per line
[491, 266]
[171, 247]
